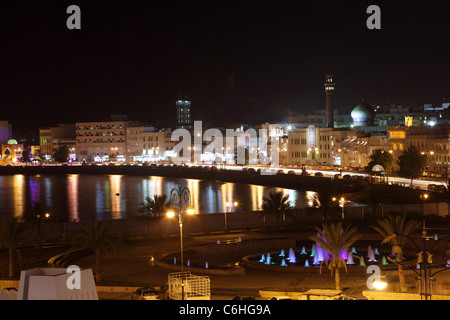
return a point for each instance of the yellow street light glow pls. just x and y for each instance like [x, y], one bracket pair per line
[170, 214]
[190, 210]
[235, 203]
[379, 285]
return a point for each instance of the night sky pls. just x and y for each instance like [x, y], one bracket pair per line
[136, 57]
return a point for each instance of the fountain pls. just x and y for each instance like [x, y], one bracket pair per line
[174, 260]
[189, 263]
[361, 262]
[371, 255]
[218, 242]
[316, 260]
[292, 258]
[206, 265]
[313, 250]
[350, 259]
[303, 250]
[239, 240]
[319, 252]
[353, 250]
[376, 251]
[435, 236]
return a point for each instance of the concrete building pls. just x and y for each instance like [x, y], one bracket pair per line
[430, 141]
[51, 138]
[184, 120]
[5, 131]
[315, 146]
[145, 144]
[101, 141]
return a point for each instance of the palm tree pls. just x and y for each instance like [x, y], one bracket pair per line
[277, 203]
[336, 241]
[155, 209]
[11, 236]
[396, 225]
[97, 237]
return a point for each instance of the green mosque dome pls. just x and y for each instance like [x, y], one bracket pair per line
[12, 141]
[363, 114]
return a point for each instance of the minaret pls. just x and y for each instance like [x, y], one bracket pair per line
[329, 90]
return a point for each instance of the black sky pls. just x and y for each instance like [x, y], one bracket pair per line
[135, 57]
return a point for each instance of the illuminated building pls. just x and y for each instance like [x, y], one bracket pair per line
[315, 146]
[184, 120]
[101, 141]
[430, 141]
[5, 131]
[11, 152]
[51, 138]
[147, 144]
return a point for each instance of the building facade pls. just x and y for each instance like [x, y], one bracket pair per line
[101, 141]
[51, 138]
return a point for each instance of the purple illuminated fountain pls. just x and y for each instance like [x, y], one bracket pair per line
[292, 258]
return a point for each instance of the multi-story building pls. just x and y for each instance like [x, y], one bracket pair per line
[5, 131]
[51, 138]
[184, 120]
[146, 144]
[430, 141]
[101, 141]
[315, 146]
[359, 146]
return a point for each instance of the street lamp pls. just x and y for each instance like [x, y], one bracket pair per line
[180, 199]
[424, 260]
[341, 204]
[424, 197]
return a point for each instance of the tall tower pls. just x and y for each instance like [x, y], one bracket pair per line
[329, 91]
[184, 113]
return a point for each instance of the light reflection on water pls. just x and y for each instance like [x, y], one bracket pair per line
[87, 197]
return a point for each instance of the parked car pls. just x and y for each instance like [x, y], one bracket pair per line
[318, 174]
[281, 298]
[146, 293]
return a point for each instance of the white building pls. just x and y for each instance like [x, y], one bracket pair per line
[101, 141]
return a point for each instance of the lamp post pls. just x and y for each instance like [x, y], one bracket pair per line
[424, 260]
[424, 197]
[231, 206]
[180, 199]
[341, 203]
